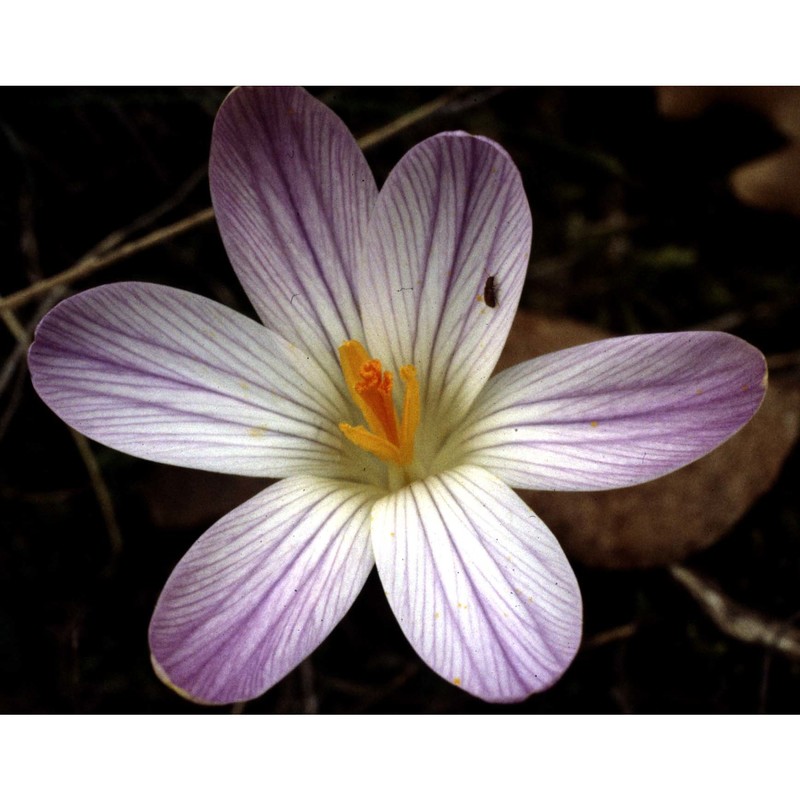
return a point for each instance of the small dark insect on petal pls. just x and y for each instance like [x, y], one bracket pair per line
[490, 292]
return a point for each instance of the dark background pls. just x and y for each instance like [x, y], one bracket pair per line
[635, 229]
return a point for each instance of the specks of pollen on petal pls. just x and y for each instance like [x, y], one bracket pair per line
[387, 437]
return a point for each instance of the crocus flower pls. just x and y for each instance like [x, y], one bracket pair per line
[366, 390]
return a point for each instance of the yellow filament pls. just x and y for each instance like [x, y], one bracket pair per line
[371, 389]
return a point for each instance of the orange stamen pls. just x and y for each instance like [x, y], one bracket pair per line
[371, 389]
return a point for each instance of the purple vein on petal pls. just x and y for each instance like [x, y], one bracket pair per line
[510, 644]
[171, 376]
[262, 588]
[292, 192]
[451, 213]
[479, 585]
[438, 495]
[462, 325]
[614, 413]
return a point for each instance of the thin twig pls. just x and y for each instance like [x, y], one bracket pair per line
[90, 264]
[182, 192]
[95, 260]
[23, 336]
[612, 635]
[784, 304]
[101, 492]
[14, 325]
[735, 619]
[24, 342]
[407, 120]
[96, 477]
[307, 689]
[14, 400]
[371, 695]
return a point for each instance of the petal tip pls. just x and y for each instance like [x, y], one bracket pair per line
[162, 675]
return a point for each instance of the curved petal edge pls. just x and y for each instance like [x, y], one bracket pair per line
[261, 589]
[613, 413]
[480, 586]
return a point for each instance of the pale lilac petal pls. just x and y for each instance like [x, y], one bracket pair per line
[174, 377]
[262, 588]
[613, 413]
[292, 193]
[452, 214]
[479, 585]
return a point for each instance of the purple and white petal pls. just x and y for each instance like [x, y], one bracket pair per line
[261, 589]
[292, 193]
[613, 413]
[174, 377]
[451, 215]
[479, 585]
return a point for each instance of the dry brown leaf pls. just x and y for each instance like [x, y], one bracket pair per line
[780, 104]
[179, 498]
[662, 521]
[771, 182]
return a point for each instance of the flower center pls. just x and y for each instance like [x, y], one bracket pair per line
[371, 389]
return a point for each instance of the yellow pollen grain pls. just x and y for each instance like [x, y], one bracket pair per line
[594, 423]
[457, 681]
[258, 431]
